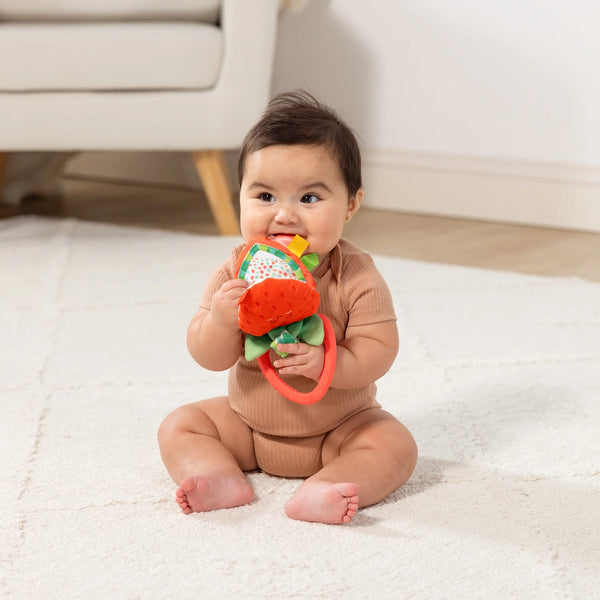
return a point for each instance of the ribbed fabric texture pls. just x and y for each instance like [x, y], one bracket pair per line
[352, 293]
[287, 456]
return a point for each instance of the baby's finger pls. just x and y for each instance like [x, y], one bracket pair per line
[291, 360]
[293, 348]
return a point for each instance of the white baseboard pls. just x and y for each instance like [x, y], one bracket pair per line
[532, 193]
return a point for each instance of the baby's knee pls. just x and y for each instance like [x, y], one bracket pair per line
[404, 451]
[189, 418]
[168, 426]
[410, 452]
[175, 422]
[392, 437]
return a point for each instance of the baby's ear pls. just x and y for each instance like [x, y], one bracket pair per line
[355, 202]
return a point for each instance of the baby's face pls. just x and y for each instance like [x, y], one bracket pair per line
[295, 190]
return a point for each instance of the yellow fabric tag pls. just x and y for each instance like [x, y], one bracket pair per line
[298, 245]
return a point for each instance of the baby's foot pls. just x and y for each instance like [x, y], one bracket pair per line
[210, 492]
[324, 502]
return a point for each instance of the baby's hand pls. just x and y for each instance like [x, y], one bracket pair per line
[303, 359]
[224, 305]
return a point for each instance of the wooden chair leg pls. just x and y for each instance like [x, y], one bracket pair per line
[212, 170]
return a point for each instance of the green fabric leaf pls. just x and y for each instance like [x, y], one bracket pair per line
[312, 332]
[309, 331]
[274, 333]
[256, 346]
[295, 328]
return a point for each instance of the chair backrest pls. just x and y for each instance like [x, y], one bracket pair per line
[206, 11]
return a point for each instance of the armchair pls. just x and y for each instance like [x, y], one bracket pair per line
[137, 75]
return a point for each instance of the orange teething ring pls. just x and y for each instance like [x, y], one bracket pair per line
[330, 347]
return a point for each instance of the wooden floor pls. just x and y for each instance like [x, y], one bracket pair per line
[521, 249]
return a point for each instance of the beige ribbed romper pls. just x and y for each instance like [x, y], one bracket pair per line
[287, 436]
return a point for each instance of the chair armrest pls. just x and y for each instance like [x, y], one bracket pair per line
[247, 69]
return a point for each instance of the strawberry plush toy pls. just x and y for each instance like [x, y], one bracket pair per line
[280, 307]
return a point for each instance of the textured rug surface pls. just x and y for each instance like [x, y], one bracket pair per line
[498, 378]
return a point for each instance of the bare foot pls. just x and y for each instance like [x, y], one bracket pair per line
[210, 492]
[324, 502]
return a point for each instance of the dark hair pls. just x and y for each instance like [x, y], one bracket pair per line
[298, 118]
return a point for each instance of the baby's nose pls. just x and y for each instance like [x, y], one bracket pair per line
[286, 214]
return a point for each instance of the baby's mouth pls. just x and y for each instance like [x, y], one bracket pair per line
[282, 238]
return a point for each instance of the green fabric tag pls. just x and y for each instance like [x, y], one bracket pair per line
[310, 260]
[284, 338]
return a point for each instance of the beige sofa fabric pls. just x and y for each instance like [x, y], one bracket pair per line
[109, 56]
[215, 118]
[109, 10]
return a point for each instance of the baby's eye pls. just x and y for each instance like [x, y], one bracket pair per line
[309, 199]
[266, 197]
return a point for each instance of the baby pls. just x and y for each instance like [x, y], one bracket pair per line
[300, 174]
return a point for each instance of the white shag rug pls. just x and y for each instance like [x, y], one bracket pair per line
[498, 378]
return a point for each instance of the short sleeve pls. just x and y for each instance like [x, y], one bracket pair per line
[365, 292]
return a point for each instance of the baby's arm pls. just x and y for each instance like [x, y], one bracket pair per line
[367, 353]
[214, 338]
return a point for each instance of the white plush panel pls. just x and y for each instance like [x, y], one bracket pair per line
[68, 10]
[104, 56]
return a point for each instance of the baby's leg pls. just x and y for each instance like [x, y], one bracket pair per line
[365, 459]
[206, 447]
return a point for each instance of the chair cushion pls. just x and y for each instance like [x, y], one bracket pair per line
[109, 10]
[109, 56]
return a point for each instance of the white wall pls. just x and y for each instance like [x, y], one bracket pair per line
[467, 108]
[513, 79]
